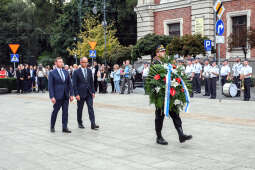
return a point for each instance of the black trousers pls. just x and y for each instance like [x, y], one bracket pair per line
[247, 87]
[56, 107]
[223, 80]
[125, 80]
[237, 82]
[20, 85]
[197, 83]
[80, 104]
[112, 84]
[95, 84]
[159, 119]
[207, 86]
[213, 87]
[40, 82]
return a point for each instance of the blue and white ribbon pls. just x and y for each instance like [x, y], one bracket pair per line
[167, 91]
[186, 91]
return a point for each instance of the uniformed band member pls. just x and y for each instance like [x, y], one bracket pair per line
[236, 74]
[246, 73]
[206, 75]
[197, 76]
[159, 116]
[225, 73]
[189, 71]
[214, 73]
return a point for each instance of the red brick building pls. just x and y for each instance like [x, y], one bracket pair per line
[180, 17]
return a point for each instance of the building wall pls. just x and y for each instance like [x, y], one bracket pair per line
[237, 7]
[161, 16]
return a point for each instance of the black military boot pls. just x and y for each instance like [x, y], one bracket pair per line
[182, 136]
[158, 126]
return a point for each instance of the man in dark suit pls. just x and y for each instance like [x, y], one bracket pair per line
[60, 91]
[84, 91]
[20, 79]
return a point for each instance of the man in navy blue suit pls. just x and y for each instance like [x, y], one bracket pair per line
[60, 91]
[84, 92]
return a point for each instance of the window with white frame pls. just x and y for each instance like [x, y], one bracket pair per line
[174, 30]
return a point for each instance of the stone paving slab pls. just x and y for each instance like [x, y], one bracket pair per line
[223, 136]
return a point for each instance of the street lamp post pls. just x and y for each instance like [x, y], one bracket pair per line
[105, 25]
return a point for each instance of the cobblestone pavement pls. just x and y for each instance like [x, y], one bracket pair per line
[224, 136]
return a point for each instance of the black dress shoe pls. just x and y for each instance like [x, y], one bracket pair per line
[52, 130]
[66, 131]
[81, 126]
[94, 127]
[161, 141]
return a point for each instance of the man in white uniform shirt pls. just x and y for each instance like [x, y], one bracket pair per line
[225, 73]
[206, 75]
[145, 74]
[236, 74]
[246, 73]
[214, 73]
[197, 76]
[189, 71]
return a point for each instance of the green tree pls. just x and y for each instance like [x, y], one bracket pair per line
[148, 45]
[187, 45]
[94, 31]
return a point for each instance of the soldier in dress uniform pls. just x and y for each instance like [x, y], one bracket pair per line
[159, 113]
[224, 73]
[214, 73]
[236, 74]
[189, 71]
[246, 73]
[206, 74]
[197, 76]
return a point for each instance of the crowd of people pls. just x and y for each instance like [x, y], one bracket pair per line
[35, 78]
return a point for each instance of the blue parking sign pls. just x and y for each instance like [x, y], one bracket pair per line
[92, 53]
[208, 45]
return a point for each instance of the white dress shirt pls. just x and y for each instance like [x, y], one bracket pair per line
[197, 68]
[237, 69]
[146, 72]
[189, 70]
[214, 69]
[206, 72]
[246, 70]
[225, 70]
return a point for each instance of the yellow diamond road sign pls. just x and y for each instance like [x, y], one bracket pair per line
[219, 8]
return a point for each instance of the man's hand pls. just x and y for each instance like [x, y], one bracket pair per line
[53, 100]
[93, 95]
[71, 98]
[78, 98]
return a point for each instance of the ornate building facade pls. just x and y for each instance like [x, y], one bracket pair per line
[180, 17]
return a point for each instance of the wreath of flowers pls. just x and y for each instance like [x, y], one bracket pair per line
[156, 84]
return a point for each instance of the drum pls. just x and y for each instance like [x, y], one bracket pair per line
[230, 90]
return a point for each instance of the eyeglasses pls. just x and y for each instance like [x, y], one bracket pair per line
[84, 62]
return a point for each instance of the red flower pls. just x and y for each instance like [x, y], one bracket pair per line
[174, 66]
[182, 90]
[178, 80]
[157, 77]
[165, 79]
[172, 91]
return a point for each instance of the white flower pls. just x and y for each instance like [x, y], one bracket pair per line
[174, 71]
[176, 102]
[165, 66]
[174, 83]
[157, 89]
